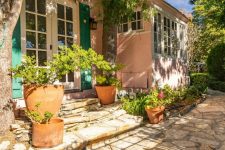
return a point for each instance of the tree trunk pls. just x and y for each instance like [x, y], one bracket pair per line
[9, 14]
[6, 111]
[109, 42]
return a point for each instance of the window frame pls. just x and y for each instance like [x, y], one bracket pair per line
[120, 28]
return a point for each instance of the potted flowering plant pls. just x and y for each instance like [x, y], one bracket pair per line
[155, 104]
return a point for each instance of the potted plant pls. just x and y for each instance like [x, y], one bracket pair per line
[107, 84]
[155, 104]
[39, 82]
[46, 131]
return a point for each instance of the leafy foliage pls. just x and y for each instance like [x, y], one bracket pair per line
[37, 117]
[216, 85]
[107, 77]
[115, 10]
[67, 60]
[200, 80]
[216, 62]
[208, 28]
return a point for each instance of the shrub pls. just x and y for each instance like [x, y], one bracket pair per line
[134, 107]
[217, 85]
[216, 62]
[200, 81]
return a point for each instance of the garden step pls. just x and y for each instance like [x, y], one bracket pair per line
[78, 103]
[74, 107]
[82, 138]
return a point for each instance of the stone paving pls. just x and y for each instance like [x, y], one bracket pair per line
[201, 129]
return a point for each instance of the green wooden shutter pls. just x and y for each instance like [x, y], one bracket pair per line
[85, 42]
[16, 59]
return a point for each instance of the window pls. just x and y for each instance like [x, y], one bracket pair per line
[167, 36]
[181, 40]
[124, 26]
[157, 33]
[36, 31]
[136, 23]
[65, 32]
[175, 41]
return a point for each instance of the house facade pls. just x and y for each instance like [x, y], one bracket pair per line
[154, 50]
[150, 50]
[44, 25]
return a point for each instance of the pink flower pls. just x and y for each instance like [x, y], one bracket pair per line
[161, 95]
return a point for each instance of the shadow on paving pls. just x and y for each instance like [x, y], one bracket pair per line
[200, 129]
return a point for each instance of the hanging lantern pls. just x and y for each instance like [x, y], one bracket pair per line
[93, 24]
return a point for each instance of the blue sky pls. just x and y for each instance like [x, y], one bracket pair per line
[181, 4]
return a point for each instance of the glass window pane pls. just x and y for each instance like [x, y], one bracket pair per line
[69, 42]
[60, 11]
[41, 6]
[69, 13]
[30, 5]
[31, 53]
[42, 58]
[134, 17]
[61, 41]
[69, 28]
[41, 41]
[71, 77]
[61, 27]
[133, 26]
[138, 15]
[30, 21]
[30, 40]
[139, 25]
[41, 23]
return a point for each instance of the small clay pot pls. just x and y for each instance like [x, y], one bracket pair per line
[106, 94]
[49, 96]
[48, 135]
[155, 115]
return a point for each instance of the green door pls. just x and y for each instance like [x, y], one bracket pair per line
[85, 42]
[16, 59]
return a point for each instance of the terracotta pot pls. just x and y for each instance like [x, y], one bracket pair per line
[48, 135]
[155, 115]
[106, 94]
[50, 97]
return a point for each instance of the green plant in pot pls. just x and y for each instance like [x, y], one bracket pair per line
[155, 103]
[46, 131]
[39, 82]
[107, 83]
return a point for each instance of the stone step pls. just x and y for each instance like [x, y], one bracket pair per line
[78, 103]
[71, 108]
[83, 138]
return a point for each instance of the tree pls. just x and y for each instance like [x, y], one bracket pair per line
[208, 28]
[210, 13]
[9, 13]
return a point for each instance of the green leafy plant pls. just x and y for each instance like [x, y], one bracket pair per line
[216, 62]
[67, 60]
[135, 106]
[37, 117]
[200, 81]
[107, 76]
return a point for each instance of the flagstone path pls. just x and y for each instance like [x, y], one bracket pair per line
[201, 129]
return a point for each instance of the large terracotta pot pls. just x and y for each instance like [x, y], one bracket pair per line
[106, 94]
[50, 97]
[155, 115]
[48, 135]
